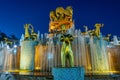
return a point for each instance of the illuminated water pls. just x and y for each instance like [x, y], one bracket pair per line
[93, 54]
[8, 58]
[99, 56]
[88, 52]
[2, 56]
[115, 40]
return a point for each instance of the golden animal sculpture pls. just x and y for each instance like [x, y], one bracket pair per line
[8, 42]
[53, 16]
[61, 21]
[29, 36]
[96, 32]
[63, 29]
[33, 35]
[66, 50]
[107, 38]
[60, 13]
[68, 13]
[97, 29]
[64, 14]
[60, 16]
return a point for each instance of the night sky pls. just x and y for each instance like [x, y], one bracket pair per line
[15, 13]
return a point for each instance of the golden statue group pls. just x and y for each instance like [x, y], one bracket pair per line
[80, 49]
[61, 21]
[59, 17]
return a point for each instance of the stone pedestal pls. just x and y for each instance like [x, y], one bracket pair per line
[74, 73]
[27, 55]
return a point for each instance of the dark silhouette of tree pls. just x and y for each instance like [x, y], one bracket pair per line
[13, 37]
[2, 36]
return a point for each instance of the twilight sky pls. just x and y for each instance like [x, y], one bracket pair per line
[15, 13]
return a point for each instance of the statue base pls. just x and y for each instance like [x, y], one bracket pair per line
[27, 55]
[72, 73]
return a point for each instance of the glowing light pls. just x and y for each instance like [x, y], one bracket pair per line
[110, 46]
[103, 72]
[8, 47]
[15, 46]
[14, 51]
[50, 56]
[25, 60]
[37, 68]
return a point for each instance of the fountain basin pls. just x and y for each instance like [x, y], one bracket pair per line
[68, 73]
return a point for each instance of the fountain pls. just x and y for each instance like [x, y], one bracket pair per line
[113, 55]
[87, 51]
[10, 58]
[99, 55]
[28, 49]
[2, 56]
[8, 54]
[61, 25]
[115, 40]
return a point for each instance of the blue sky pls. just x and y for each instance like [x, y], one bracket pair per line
[15, 13]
